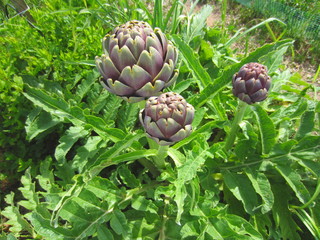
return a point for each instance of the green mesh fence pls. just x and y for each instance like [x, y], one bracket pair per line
[301, 24]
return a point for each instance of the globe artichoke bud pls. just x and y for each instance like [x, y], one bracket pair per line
[251, 83]
[138, 62]
[167, 118]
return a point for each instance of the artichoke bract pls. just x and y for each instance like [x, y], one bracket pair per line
[251, 84]
[167, 118]
[138, 61]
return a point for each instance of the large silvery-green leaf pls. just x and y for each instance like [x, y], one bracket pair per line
[242, 189]
[282, 216]
[262, 186]
[266, 128]
[294, 181]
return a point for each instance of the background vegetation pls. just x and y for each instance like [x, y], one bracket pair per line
[68, 148]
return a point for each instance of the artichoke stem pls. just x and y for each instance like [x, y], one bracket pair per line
[162, 153]
[147, 164]
[159, 160]
[235, 125]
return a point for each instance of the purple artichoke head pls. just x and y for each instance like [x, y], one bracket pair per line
[138, 61]
[251, 84]
[167, 118]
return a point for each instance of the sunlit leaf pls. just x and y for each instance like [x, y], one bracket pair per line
[242, 189]
[266, 127]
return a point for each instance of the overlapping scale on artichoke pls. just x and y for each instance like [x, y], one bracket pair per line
[251, 84]
[167, 118]
[138, 62]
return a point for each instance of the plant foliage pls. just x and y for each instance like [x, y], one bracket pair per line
[91, 173]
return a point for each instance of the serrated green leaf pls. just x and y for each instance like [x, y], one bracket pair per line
[190, 229]
[281, 214]
[266, 128]
[86, 213]
[178, 157]
[246, 149]
[39, 121]
[119, 223]
[134, 155]
[85, 85]
[297, 79]
[113, 103]
[76, 115]
[311, 165]
[193, 63]
[294, 110]
[43, 227]
[242, 228]
[206, 128]
[127, 177]
[242, 189]
[86, 152]
[142, 204]
[306, 124]
[197, 23]
[70, 137]
[186, 172]
[28, 191]
[104, 233]
[127, 116]
[307, 148]
[194, 160]
[228, 226]
[15, 218]
[46, 177]
[97, 103]
[142, 229]
[182, 85]
[294, 181]
[48, 103]
[198, 117]
[262, 186]
[180, 196]
[273, 59]
[99, 125]
[283, 148]
[105, 189]
[110, 157]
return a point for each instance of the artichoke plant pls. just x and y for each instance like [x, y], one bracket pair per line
[138, 62]
[251, 83]
[167, 118]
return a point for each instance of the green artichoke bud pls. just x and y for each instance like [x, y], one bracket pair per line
[251, 83]
[138, 62]
[167, 118]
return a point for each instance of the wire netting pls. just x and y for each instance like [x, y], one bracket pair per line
[302, 21]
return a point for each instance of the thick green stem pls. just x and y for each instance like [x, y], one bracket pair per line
[147, 164]
[235, 125]
[159, 160]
